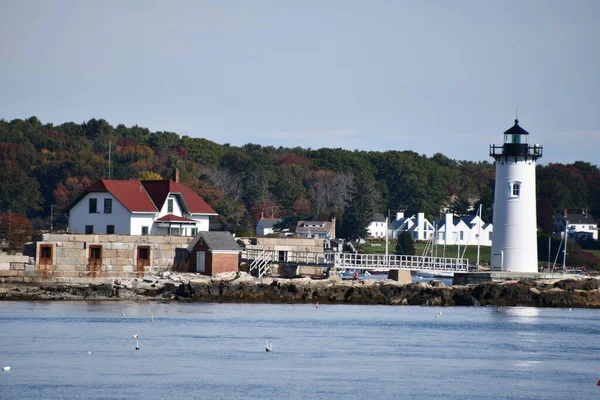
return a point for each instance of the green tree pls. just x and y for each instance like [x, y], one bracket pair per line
[360, 206]
[405, 245]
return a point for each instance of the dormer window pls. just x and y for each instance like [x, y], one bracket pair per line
[515, 189]
[170, 206]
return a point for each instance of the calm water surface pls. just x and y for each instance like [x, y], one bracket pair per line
[217, 351]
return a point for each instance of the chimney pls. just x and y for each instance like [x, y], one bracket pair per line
[585, 211]
[421, 226]
[565, 213]
[176, 175]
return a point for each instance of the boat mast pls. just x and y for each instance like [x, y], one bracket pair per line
[479, 237]
[565, 250]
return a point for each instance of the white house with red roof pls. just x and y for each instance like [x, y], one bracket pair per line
[135, 207]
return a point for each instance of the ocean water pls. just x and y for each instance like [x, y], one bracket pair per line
[85, 350]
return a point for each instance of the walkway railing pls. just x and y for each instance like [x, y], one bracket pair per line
[260, 260]
[381, 262]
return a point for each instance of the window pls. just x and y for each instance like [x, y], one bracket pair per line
[462, 235]
[516, 189]
[170, 206]
[194, 231]
[490, 236]
[175, 231]
[89, 229]
[107, 206]
[93, 206]
[144, 231]
[110, 229]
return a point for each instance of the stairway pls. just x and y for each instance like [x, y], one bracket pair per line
[261, 263]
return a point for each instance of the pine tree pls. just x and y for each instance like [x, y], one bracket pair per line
[360, 206]
[405, 245]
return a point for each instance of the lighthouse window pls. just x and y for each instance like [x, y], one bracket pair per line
[516, 188]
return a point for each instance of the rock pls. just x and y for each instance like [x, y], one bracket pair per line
[578, 284]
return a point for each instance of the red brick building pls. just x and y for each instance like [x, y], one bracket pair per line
[213, 252]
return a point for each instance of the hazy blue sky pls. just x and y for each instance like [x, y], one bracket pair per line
[428, 76]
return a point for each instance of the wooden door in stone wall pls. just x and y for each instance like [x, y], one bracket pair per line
[143, 260]
[95, 260]
[45, 263]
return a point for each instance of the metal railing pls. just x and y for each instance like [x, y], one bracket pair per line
[382, 262]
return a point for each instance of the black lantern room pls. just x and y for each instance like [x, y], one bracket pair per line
[516, 145]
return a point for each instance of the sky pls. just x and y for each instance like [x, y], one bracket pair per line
[428, 76]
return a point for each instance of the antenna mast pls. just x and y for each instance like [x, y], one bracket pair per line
[109, 146]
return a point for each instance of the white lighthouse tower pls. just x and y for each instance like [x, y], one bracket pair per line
[514, 239]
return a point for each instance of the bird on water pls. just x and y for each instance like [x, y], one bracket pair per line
[268, 348]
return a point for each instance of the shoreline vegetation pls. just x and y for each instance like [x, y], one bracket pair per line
[242, 288]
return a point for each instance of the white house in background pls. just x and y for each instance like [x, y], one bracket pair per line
[265, 226]
[316, 229]
[378, 227]
[581, 226]
[400, 224]
[418, 226]
[134, 207]
[469, 230]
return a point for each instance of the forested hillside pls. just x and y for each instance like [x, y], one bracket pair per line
[43, 167]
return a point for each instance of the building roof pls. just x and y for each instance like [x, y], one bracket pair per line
[160, 189]
[269, 222]
[377, 217]
[174, 218]
[575, 218]
[131, 193]
[469, 219]
[516, 130]
[147, 196]
[216, 240]
[313, 226]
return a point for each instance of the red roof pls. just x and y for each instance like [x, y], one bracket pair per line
[131, 194]
[174, 218]
[150, 196]
[159, 190]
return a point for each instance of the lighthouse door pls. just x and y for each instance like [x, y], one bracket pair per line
[498, 261]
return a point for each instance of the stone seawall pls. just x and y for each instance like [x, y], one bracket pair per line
[240, 287]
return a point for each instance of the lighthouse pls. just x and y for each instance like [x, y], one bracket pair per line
[514, 239]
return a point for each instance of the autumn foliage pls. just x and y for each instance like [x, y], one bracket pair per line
[15, 231]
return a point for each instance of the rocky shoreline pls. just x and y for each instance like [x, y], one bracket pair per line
[243, 288]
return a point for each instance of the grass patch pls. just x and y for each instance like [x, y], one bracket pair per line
[594, 252]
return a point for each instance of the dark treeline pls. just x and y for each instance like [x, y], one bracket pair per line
[43, 167]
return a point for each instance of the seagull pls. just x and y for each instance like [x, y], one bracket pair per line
[134, 336]
[268, 346]
[123, 312]
[317, 305]
[89, 352]
[8, 368]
